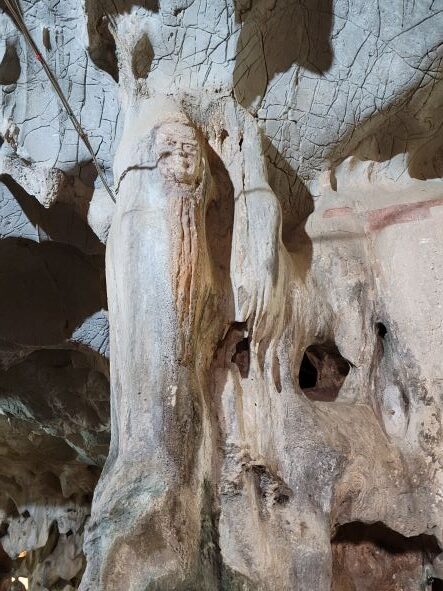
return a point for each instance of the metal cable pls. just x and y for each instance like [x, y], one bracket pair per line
[15, 13]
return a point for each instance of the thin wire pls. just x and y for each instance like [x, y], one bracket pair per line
[14, 8]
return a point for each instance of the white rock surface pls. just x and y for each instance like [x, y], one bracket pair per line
[273, 277]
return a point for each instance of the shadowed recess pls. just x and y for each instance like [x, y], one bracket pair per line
[381, 330]
[296, 202]
[142, 57]
[51, 289]
[322, 372]
[9, 65]
[102, 48]
[372, 556]
[61, 222]
[411, 125]
[276, 34]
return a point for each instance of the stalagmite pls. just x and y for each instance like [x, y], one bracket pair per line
[230, 377]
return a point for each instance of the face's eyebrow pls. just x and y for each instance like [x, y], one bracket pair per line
[183, 141]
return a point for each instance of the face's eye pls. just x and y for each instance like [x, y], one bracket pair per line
[191, 148]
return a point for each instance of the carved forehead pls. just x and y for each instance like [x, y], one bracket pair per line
[177, 129]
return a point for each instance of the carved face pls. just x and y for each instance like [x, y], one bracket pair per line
[179, 153]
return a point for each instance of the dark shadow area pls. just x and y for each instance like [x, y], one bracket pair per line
[368, 557]
[114, 7]
[234, 348]
[297, 205]
[10, 65]
[142, 57]
[61, 222]
[275, 34]
[5, 568]
[323, 371]
[379, 534]
[102, 48]
[437, 585]
[241, 357]
[48, 290]
[412, 124]
[381, 329]
[220, 219]
[308, 374]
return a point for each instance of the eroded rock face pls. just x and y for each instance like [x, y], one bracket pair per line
[271, 413]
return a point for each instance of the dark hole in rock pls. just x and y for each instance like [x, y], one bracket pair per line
[437, 585]
[369, 557]
[322, 372]
[308, 374]
[46, 38]
[241, 357]
[224, 135]
[381, 329]
[26, 514]
[142, 57]
[281, 499]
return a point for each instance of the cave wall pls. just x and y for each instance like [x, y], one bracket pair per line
[231, 378]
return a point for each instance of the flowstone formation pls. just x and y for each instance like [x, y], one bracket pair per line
[230, 379]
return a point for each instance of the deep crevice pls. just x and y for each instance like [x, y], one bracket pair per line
[381, 329]
[323, 371]
[102, 49]
[242, 356]
[357, 532]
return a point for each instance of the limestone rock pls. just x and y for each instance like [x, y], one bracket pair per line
[231, 377]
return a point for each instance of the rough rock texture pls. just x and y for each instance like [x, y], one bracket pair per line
[272, 269]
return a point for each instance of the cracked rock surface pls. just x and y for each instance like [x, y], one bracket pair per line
[231, 379]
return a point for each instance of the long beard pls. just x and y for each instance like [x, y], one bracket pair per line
[189, 267]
